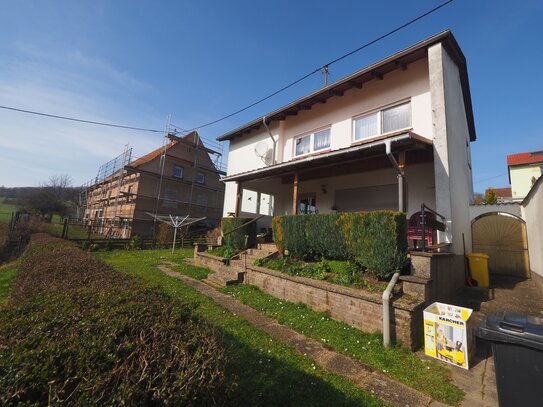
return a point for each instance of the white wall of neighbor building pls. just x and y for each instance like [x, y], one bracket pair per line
[522, 179]
[453, 178]
[532, 212]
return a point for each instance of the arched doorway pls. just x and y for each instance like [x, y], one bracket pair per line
[503, 237]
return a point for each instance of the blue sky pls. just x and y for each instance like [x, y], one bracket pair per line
[136, 62]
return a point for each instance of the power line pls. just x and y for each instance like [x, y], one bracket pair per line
[73, 119]
[291, 84]
[489, 178]
[325, 66]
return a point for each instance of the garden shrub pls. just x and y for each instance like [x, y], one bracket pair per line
[278, 233]
[236, 239]
[375, 241]
[309, 237]
[76, 332]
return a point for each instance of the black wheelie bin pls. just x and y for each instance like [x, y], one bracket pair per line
[517, 346]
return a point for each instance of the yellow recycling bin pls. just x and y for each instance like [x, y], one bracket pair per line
[478, 266]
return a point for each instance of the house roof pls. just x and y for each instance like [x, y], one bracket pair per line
[152, 155]
[399, 60]
[399, 142]
[525, 158]
[502, 192]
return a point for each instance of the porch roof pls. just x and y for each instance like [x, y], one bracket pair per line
[406, 140]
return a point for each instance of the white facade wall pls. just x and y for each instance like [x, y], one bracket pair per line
[339, 111]
[522, 179]
[453, 178]
[511, 208]
[532, 210]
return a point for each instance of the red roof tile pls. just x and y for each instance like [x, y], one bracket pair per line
[525, 158]
[502, 192]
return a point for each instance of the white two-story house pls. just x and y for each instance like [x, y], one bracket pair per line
[393, 135]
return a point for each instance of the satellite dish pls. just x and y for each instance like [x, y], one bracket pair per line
[263, 151]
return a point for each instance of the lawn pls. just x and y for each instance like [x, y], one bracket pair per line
[7, 275]
[397, 362]
[6, 209]
[268, 372]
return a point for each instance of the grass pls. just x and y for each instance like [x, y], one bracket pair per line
[7, 276]
[6, 208]
[268, 372]
[397, 362]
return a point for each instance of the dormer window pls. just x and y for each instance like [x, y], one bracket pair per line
[312, 142]
[383, 121]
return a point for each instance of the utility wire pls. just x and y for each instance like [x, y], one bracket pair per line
[320, 68]
[489, 178]
[291, 84]
[73, 119]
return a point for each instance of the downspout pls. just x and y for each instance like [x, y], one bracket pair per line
[386, 309]
[401, 206]
[272, 138]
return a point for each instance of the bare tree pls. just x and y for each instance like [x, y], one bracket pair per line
[53, 197]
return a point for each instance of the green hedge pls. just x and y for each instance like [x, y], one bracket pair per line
[236, 239]
[376, 240]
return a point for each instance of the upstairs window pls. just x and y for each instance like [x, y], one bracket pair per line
[383, 121]
[200, 178]
[309, 143]
[177, 171]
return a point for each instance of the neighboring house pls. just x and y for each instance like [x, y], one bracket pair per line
[393, 135]
[524, 170]
[503, 195]
[187, 182]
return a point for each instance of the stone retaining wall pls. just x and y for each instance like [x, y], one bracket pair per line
[358, 308]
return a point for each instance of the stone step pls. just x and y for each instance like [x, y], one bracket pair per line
[223, 280]
[271, 247]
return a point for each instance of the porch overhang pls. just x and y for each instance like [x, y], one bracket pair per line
[374, 148]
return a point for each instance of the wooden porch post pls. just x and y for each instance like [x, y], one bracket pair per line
[238, 198]
[295, 195]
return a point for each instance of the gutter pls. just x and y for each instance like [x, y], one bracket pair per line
[272, 138]
[386, 309]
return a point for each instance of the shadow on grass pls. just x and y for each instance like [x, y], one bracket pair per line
[264, 380]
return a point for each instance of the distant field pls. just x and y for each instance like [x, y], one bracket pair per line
[6, 208]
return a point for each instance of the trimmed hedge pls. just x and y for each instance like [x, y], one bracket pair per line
[236, 239]
[375, 240]
[76, 332]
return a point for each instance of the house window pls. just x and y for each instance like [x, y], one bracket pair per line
[200, 178]
[307, 204]
[177, 171]
[383, 121]
[201, 200]
[316, 141]
[170, 198]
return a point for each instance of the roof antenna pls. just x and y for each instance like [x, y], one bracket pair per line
[326, 74]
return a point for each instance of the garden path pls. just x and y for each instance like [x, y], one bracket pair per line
[368, 379]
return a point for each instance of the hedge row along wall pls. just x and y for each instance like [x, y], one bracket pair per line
[376, 240]
[236, 239]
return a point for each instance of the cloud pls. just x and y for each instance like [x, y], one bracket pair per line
[32, 148]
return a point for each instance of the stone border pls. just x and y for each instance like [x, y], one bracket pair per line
[358, 308]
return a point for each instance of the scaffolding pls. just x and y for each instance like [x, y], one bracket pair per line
[102, 198]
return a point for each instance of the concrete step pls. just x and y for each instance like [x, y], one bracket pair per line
[222, 280]
[271, 247]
